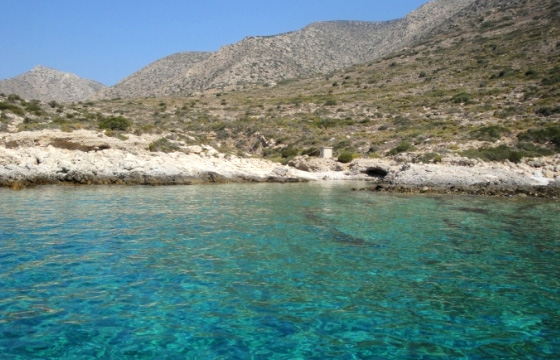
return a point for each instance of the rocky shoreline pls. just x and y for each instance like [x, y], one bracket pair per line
[551, 191]
[91, 158]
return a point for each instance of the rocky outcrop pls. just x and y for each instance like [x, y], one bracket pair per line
[46, 84]
[454, 175]
[457, 175]
[88, 157]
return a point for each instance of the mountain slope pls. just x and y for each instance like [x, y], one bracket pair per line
[43, 83]
[149, 80]
[318, 48]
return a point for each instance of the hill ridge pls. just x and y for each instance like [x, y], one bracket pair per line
[46, 84]
[319, 47]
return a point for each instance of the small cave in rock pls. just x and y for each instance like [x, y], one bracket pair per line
[376, 172]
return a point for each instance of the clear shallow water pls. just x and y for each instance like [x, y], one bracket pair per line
[269, 271]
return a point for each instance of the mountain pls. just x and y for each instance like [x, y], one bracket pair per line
[150, 80]
[48, 84]
[318, 48]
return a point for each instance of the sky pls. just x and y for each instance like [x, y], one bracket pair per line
[107, 40]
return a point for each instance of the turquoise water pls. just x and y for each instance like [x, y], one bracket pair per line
[271, 271]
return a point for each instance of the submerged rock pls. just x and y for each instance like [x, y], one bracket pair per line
[551, 191]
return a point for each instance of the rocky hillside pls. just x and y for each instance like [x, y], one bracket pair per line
[150, 80]
[317, 48]
[46, 84]
[485, 86]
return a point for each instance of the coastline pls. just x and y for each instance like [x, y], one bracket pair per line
[86, 157]
[551, 191]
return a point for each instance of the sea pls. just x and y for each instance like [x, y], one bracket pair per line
[276, 271]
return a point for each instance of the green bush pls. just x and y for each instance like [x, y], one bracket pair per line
[548, 111]
[342, 145]
[402, 147]
[402, 121]
[504, 73]
[550, 134]
[489, 133]
[531, 150]
[270, 152]
[532, 73]
[430, 157]
[325, 123]
[115, 123]
[34, 107]
[311, 152]
[289, 151]
[463, 97]
[163, 145]
[345, 157]
[12, 108]
[14, 98]
[499, 153]
[553, 77]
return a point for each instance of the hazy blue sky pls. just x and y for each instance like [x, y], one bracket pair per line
[107, 40]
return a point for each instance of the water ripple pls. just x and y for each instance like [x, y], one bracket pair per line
[275, 272]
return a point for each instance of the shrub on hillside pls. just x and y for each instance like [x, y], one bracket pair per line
[345, 157]
[548, 110]
[553, 77]
[430, 158]
[163, 145]
[115, 123]
[550, 134]
[34, 106]
[498, 153]
[331, 102]
[532, 73]
[463, 97]
[402, 121]
[12, 108]
[504, 73]
[489, 133]
[531, 150]
[402, 147]
[14, 98]
[311, 152]
[289, 151]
